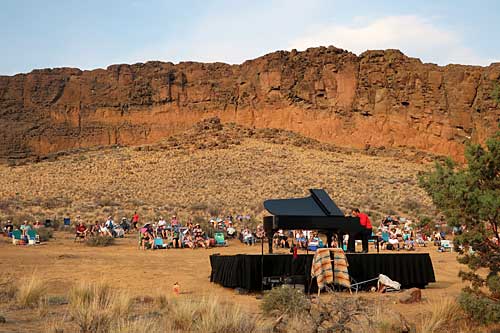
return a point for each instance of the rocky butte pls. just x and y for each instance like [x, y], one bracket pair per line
[380, 98]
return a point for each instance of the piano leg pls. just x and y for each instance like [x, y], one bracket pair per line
[270, 240]
[329, 239]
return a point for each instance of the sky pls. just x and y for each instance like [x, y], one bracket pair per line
[91, 34]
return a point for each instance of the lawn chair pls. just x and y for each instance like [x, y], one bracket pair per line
[159, 243]
[385, 238]
[67, 221]
[17, 237]
[33, 237]
[446, 246]
[219, 239]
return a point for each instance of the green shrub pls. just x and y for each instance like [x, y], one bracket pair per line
[45, 234]
[100, 241]
[482, 309]
[285, 299]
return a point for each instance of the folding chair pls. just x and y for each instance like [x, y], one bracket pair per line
[159, 243]
[219, 239]
[17, 237]
[446, 246]
[33, 237]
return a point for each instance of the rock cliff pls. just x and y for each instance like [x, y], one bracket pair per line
[379, 98]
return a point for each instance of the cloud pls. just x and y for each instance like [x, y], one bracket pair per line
[414, 35]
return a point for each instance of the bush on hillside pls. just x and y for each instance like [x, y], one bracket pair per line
[98, 241]
[45, 234]
[285, 299]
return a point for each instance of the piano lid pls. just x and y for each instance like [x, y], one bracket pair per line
[318, 203]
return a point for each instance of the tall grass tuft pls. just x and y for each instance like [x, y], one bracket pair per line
[141, 325]
[209, 314]
[8, 288]
[442, 315]
[96, 306]
[30, 293]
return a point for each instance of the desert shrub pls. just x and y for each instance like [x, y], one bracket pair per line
[98, 241]
[411, 205]
[481, 309]
[57, 300]
[30, 293]
[45, 234]
[285, 299]
[96, 307]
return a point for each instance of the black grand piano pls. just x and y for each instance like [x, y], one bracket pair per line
[315, 212]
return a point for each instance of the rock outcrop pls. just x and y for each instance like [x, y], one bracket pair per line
[380, 98]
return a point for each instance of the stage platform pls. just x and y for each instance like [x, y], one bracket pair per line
[246, 270]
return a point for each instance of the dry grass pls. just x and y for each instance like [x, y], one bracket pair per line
[142, 325]
[31, 292]
[96, 306]
[443, 315]
[8, 288]
[210, 315]
[179, 177]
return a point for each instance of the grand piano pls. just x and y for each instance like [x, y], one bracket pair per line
[315, 212]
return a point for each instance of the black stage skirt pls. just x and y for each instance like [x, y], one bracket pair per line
[246, 270]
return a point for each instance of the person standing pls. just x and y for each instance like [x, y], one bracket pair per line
[365, 222]
[135, 221]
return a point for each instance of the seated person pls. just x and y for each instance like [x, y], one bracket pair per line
[104, 231]
[302, 241]
[410, 244]
[283, 239]
[147, 236]
[187, 240]
[248, 238]
[176, 235]
[393, 243]
[37, 225]
[81, 230]
[260, 232]
[162, 228]
[200, 241]
[95, 229]
[231, 231]
[24, 228]
[9, 227]
[314, 241]
[125, 224]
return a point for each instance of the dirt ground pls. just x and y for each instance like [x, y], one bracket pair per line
[62, 263]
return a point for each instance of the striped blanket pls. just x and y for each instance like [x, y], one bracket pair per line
[326, 273]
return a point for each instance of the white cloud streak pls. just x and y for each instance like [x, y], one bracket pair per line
[414, 35]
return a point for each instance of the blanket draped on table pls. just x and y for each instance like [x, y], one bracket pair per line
[326, 273]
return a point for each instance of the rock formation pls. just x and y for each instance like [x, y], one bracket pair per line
[380, 98]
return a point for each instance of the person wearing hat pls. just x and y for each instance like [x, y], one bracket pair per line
[147, 236]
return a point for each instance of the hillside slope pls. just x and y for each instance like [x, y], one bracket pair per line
[209, 170]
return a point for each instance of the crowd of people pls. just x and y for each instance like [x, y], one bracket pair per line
[394, 233]
[173, 234]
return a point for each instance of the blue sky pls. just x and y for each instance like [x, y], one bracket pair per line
[94, 34]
